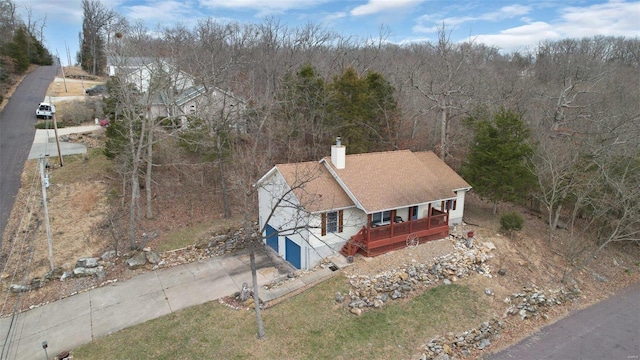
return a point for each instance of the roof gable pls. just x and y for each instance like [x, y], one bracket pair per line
[314, 186]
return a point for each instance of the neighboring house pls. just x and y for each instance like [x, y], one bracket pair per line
[139, 71]
[214, 105]
[368, 203]
[180, 97]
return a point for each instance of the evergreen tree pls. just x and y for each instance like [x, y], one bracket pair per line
[497, 163]
[38, 54]
[363, 111]
[18, 49]
[302, 103]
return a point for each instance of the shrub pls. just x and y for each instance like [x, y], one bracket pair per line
[76, 113]
[511, 221]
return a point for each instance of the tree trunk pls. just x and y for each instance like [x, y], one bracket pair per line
[223, 181]
[132, 206]
[149, 169]
[443, 130]
[136, 150]
[254, 278]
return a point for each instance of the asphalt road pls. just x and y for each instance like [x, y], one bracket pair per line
[16, 135]
[609, 330]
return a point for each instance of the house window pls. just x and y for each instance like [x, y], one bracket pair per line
[449, 205]
[380, 218]
[332, 222]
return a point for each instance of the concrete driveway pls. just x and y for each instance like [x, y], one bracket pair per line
[79, 319]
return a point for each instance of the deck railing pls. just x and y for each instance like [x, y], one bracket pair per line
[377, 240]
[407, 227]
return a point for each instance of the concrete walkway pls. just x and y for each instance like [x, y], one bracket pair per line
[79, 319]
[44, 142]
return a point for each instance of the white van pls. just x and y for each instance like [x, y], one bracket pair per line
[45, 111]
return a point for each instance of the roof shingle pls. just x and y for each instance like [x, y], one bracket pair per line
[393, 179]
[314, 186]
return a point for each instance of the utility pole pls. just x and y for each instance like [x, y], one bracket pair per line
[64, 79]
[55, 131]
[44, 179]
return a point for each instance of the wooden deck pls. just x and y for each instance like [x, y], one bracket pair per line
[374, 241]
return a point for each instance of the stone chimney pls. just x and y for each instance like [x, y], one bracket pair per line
[338, 153]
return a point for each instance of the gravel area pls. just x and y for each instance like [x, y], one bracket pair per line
[422, 253]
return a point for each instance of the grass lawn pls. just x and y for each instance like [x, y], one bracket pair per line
[307, 326]
[189, 235]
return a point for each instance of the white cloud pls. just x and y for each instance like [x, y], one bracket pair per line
[612, 18]
[335, 16]
[615, 18]
[520, 37]
[378, 6]
[49, 8]
[263, 7]
[170, 11]
[506, 12]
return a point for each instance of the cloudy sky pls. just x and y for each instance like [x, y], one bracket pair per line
[507, 24]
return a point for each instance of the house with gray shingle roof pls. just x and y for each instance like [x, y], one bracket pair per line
[368, 203]
[178, 96]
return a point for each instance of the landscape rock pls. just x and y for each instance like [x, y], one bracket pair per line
[137, 261]
[600, 278]
[454, 344]
[66, 275]
[36, 283]
[108, 255]
[87, 262]
[16, 288]
[400, 282]
[488, 291]
[531, 301]
[84, 272]
[152, 257]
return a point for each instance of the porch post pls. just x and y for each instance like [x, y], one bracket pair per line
[393, 220]
[411, 219]
[446, 217]
[368, 229]
[429, 217]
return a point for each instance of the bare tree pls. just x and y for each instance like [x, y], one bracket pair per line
[442, 76]
[96, 19]
[557, 168]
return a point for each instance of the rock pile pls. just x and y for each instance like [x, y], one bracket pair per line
[139, 259]
[86, 266]
[531, 301]
[375, 291]
[216, 245]
[463, 343]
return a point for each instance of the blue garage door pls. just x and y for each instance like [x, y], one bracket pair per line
[272, 237]
[293, 253]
